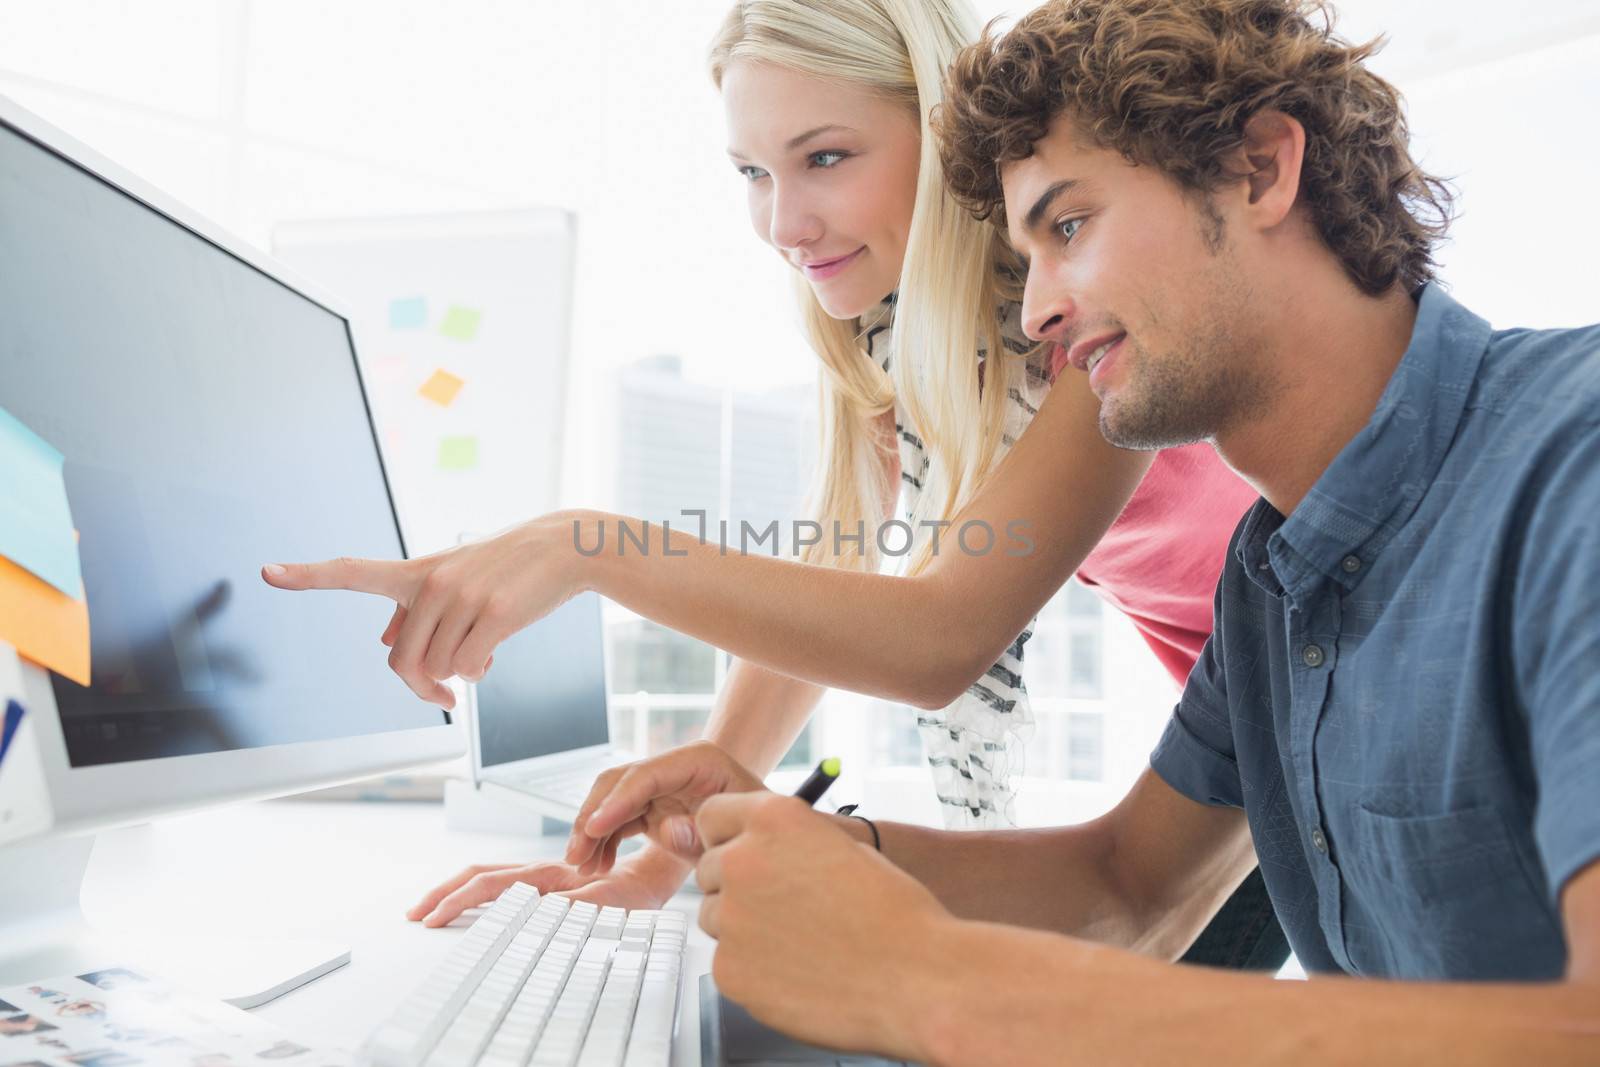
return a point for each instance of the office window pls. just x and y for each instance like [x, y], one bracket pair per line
[671, 727]
[1081, 602]
[669, 442]
[1084, 657]
[802, 753]
[895, 740]
[1085, 746]
[740, 457]
[649, 658]
[1065, 657]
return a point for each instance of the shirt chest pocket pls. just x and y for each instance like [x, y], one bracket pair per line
[1450, 896]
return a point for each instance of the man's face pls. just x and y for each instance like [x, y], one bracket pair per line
[1137, 281]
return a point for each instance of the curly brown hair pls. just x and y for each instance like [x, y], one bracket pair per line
[1171, 84]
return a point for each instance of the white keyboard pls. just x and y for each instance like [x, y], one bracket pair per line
[543, 982]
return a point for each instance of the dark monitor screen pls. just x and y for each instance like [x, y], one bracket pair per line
[546, 692]
[212, 420]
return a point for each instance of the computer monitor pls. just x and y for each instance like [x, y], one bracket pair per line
[213, 419]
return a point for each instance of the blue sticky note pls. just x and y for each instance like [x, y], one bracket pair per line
[35, 519]
[13, 720]
[408, 313]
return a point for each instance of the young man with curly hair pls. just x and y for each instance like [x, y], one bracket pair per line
[1398, 713]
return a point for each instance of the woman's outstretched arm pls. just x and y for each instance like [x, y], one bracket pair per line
[920, 640]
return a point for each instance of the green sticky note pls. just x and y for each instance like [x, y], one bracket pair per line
[461, 323]
[458, 453]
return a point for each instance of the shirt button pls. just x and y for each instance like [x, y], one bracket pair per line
[1312, 655]
[1320, 840]
[1351, 564]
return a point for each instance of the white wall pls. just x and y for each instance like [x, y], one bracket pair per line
[1501, 100]
[259, 111]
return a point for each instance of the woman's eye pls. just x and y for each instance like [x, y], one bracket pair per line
[1068, 228]
[752, 174]
[826, 159]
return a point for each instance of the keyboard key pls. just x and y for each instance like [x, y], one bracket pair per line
[609, 924]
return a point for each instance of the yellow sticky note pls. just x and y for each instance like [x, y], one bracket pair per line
[442, 387]
[44, 624]
[461, 323]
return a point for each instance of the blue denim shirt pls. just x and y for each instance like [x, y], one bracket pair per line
[1402, 689]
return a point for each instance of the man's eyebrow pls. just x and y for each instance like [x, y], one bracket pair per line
[1041, 205]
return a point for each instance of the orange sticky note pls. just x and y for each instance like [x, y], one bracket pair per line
[44, 624]
[442, 387]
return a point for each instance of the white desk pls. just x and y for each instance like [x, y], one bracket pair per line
[334, 871]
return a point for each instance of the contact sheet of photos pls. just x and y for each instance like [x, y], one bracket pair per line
[121, 1018]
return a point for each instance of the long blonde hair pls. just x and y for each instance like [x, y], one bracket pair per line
[949, 292]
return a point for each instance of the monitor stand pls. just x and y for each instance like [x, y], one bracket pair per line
[44, 934]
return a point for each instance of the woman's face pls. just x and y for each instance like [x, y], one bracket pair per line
[832, 175]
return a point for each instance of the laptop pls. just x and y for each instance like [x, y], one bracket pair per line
[538, 722]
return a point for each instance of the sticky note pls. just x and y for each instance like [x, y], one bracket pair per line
[35, 519]
[43, 624]
[408, 313]
[460, 323]
[442, 387]
[458, 453]
[9, 730]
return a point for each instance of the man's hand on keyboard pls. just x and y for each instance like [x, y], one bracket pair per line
[644, 880]
[817, 934]
[657, 797]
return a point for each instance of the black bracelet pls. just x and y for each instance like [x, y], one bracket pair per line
[849, 810]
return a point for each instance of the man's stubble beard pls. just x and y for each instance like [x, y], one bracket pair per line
[1193, 394]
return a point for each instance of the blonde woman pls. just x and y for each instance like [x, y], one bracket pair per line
[927, 387]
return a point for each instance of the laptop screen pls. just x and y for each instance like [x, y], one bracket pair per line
[546, 692]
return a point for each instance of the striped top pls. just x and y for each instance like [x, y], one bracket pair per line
[1159, 564]
[974, 745]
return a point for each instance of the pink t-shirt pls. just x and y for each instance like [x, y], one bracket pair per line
[1159, 563]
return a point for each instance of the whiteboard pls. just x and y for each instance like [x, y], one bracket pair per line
[462, 326]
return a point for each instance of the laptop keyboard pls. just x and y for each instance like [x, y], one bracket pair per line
[544, 982]
[571, 788]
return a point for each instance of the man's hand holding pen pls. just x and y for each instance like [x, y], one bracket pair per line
[787, 891]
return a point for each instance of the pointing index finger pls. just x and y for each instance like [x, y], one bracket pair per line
[390, 578]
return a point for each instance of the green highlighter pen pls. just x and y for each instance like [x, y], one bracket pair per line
[813, 787]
